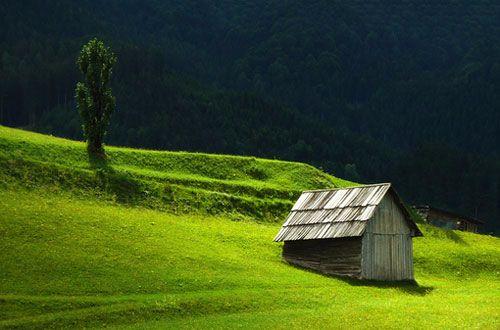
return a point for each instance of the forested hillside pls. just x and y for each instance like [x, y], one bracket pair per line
[408, 93]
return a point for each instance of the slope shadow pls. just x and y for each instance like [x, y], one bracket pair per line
[452, 235]
[409, 286]
[123, 186]
[97, 163]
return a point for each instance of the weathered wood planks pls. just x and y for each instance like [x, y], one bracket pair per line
[336, 256]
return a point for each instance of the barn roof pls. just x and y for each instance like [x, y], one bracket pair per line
[334, 213]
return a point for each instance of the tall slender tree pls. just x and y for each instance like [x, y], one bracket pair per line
[94, 100]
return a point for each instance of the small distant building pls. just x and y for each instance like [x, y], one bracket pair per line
[362, 232]
[446, 219]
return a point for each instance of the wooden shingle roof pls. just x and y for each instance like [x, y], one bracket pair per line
[334, 213]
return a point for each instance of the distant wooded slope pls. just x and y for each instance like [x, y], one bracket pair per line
[407, 93]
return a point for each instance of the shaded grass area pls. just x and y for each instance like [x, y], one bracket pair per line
[180, 182]
[70, 262]
[253, 171]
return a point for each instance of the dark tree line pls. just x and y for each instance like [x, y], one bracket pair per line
[372, 91]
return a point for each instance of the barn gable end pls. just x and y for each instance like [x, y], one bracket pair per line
[387, 248]
[388, 218]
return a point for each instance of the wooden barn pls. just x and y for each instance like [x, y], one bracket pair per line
[362, 232]
[447, 219]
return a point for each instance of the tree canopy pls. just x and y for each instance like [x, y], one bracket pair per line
[94, 100]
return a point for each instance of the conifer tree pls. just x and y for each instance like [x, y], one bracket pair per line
[94, 100]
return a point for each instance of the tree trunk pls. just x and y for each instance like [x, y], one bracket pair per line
[95, 148]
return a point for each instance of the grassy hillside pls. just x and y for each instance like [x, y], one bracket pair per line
[176, 181]
[79, 255]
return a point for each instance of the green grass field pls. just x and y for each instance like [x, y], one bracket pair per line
[180, 182]
[182, 240]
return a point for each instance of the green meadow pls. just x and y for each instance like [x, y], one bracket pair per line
[159, 239]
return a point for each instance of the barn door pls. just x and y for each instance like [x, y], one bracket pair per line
[387, 257]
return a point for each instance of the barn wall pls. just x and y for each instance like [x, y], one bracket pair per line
[388, 218]
[334, 256]
[387, 248]
[450, 221]
[443, 220]
[469, 226]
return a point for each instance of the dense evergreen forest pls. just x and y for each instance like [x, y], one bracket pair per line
[407, 92]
